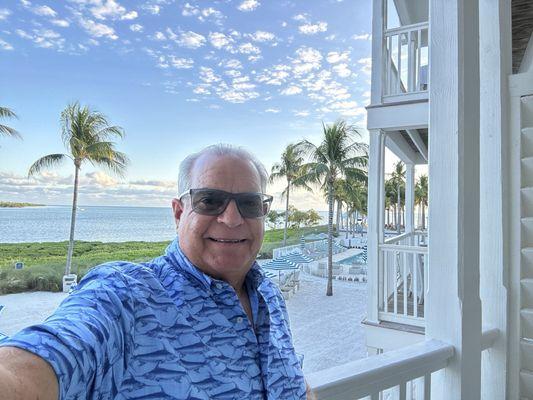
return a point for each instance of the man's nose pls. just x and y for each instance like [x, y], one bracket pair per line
[231, 215]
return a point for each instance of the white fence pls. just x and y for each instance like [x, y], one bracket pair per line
[315, 246]
[406, 59]
[403, 271]
[399, 374]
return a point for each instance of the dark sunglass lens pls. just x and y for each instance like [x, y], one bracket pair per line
[210, 203]
[251, 206]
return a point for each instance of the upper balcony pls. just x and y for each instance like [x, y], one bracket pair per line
[400, 65]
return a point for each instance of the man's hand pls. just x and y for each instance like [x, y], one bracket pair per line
[25, 376]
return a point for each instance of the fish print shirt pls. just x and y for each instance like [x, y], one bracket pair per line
[165, 330]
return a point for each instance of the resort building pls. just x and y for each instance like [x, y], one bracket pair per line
[450, 310]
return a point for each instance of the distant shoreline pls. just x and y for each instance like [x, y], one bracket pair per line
[10, 204]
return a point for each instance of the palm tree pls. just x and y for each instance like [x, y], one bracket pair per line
[86, 134]
[290, 167]
[421, 196]
[355, 197]
[337, 156]
[4, 129]
[398, 179]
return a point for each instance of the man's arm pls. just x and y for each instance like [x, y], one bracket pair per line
[25, 376]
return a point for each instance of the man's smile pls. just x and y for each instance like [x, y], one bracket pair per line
[226, 241]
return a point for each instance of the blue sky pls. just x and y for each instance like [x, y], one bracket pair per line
[177, 76]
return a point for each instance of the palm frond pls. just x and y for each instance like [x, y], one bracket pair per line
[51, 160]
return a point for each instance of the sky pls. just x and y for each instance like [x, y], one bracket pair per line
[177, 76]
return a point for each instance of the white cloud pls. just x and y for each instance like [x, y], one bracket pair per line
[61, 23]
[307, 59]
[277, 75]
[248, 5]
[342, 70]
[4, 13]
[219, 40]
[97, 29]
[136, 28]
[272, 110]
[104, 9]
[300, 18]
[262, 36]
[152, 8]
[190, 40]
[44, 11]
[363, 36]
[189, 10]
[331, 37]
[207, 75]
[335, 56]
[233, 64]
[302, 113]
[291, 90]
[366, 65]
[5, 45]
[312, 29]
[45, 38]
[181, 63]
[248, 48]
[160, 36]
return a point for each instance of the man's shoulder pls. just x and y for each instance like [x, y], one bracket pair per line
[119, 273]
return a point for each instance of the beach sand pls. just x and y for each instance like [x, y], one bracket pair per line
[326, 330]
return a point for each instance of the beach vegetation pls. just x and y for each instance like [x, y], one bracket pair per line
[337, 156]
[421, 197]
[290, 168]
[5, 130]
[11, 204]
[44, 263]
[87, 135]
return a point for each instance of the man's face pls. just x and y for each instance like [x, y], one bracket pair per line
[201, 236]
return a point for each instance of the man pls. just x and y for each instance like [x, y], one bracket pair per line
[200, 322]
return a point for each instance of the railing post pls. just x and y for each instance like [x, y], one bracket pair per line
[454, 307]
[378, 49]
[375, 222]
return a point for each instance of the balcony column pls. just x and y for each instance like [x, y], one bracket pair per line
[409, 197]
[375, 220]
[378, 21]
[453, 303]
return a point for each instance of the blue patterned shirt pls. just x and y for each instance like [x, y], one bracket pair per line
[165, 330]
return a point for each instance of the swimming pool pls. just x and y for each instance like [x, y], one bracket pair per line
[357, 259]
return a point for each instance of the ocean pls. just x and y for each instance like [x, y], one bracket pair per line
[93, 223]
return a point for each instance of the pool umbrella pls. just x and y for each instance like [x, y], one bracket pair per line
[298, 258]
[279, 264]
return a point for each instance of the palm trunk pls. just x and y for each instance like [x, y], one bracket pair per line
[286, 213]
[339, 208]
[423, 218]
[346, 227]
[72, 220]
[399, 209]
[329, 290]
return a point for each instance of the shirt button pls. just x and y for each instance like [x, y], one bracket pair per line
[239, 320]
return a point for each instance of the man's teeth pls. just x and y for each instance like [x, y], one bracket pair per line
[228, 240]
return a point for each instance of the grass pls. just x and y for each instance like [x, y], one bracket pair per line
[11, 204]
[44, 263]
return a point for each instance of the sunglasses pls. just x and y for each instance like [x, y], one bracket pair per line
[214, 202]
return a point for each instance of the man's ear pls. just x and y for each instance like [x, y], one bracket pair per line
[177, 209]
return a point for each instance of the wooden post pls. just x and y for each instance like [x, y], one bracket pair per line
[378, 20]
[454, 306]
[495, 66]
[375, 221]
[409, 197]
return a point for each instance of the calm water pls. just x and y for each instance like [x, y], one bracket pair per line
[105, 224]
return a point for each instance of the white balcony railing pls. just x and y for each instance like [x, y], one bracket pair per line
[403, 270]
[398, 374]
[406, 57]
[403, 374]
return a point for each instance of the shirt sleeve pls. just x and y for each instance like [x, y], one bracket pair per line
[88, 338]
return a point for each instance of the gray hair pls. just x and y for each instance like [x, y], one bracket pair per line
[220, 149]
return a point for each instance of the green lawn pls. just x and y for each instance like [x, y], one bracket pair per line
[44, 263]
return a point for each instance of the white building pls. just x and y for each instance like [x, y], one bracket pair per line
[451, 311]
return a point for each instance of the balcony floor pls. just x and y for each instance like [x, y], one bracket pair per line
[400, 305]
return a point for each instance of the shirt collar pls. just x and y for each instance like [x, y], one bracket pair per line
[254, 277]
